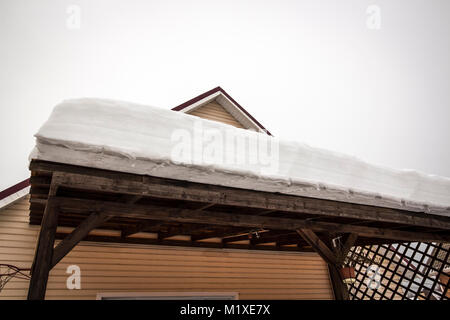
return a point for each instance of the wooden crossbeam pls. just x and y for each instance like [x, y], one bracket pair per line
[289, 239]
[140, 227]
[80, 232]
[318, 245]
[228, 232]
[184, 243]
[155, 212]
[239, 237]
[267, 237]
[186, 191]
[179, 230]
[130, 198]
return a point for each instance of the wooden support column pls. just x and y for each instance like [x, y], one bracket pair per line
[340, 289]
[44, 253]
[332, 258]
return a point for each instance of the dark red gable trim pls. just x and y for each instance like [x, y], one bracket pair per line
[210, 92]
[15, 188]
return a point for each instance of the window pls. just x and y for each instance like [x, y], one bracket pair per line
[168, 296]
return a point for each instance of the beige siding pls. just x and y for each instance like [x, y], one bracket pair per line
[214, 111]
[135, 268]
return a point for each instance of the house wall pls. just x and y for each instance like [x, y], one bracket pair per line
[214, 111]
[147, 268]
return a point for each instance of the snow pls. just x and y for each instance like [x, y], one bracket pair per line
[140, 139]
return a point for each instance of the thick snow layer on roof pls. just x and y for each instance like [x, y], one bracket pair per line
[140, 139]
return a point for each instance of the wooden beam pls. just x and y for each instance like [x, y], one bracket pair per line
[154, 212]
[349, 243]
[239, 237]
[228, 232]
[44, 253]
[339, 288]
[141, 227]
[186, 191]
[318, 245]
[179, 230]
[130, 198]
[183, 243]
[271, 236]
[206, 206]
[64, 247]
[292, 238]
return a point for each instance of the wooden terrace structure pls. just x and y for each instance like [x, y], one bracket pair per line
[87, 199]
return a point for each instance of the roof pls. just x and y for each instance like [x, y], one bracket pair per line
[217, 93]
[11, 191]
[14, 192]
[126, 137]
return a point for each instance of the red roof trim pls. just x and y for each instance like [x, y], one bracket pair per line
[210, 92]
[15, 188]
[194, 100]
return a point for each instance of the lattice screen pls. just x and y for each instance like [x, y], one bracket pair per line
[413, 270]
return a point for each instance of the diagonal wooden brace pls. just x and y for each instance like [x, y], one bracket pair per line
[78, 234]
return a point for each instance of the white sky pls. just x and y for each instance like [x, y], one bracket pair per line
[307, 70]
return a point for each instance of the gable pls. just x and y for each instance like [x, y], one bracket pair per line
[221, 107]
[215, 112]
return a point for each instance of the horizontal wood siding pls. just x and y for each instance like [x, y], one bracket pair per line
[214, 111]
[139, 268]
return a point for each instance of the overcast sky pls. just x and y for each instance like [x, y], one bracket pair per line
[367, 78]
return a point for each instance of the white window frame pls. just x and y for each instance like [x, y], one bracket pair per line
[168, 296]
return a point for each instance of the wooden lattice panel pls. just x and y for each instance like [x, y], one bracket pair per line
[411, 270]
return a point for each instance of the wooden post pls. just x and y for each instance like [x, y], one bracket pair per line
[340, 289]
[44, 252]
[332, 257]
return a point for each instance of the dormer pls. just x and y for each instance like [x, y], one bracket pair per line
[217, 105]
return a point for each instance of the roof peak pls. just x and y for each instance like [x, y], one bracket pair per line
[197, 101]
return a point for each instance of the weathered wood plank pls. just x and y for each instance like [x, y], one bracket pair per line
[181, 243]
[154, 212]
[171, 189]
